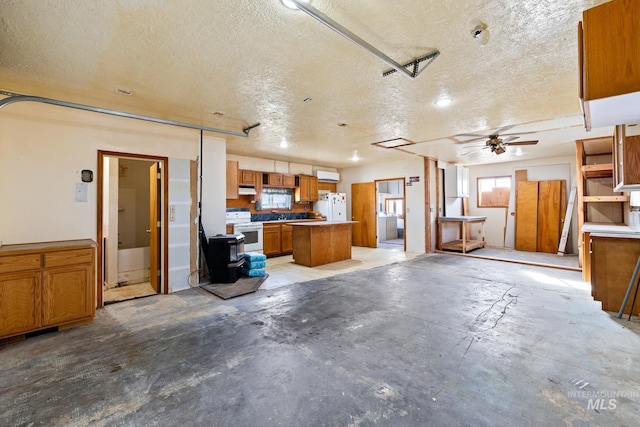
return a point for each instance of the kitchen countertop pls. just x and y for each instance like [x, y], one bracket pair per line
[595, 227]
[323, 223]
[292, 221]
[461, 218]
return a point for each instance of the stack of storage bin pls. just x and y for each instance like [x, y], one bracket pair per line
[254, 264]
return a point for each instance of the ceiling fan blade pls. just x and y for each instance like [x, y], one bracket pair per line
[504, 128]
[480, 135]
[478, 138]
[521, 143]
[509, 138]
[517, 133]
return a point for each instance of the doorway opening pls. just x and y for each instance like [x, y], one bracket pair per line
[131, 235]
[390, 213]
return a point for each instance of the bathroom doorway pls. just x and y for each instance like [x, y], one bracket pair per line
[130, 226]
[390, 213]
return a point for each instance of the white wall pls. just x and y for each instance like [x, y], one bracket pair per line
[214, 185]
[537, 170]
[415, 219]
[43, 149]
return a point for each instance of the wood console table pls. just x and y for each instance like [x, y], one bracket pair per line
[465, 244]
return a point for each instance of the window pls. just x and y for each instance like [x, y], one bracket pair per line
[277, 198]
[493, 192]
[394, 207]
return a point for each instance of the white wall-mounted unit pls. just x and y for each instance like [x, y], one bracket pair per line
[325, 176]
[456, 181]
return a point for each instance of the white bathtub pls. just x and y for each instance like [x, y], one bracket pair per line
[133, 265]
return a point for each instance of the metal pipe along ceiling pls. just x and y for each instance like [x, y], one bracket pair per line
[344, 32]
[22, 98]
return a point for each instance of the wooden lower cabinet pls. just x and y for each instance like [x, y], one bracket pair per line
[67, 294]
[613, 260]
[286, 239]
[43, 285]
[19, 303]
[271, 239]
[277, 239]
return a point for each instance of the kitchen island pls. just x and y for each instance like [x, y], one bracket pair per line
[321, 242]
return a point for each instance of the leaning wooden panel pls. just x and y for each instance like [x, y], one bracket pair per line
[549, 215]
[527, 216]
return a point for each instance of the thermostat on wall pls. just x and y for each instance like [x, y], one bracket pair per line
[87, 175]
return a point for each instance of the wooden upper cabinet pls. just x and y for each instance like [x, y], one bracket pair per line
[609, 54]
[232, 179]
[247, 177]
[288, 181]
[273, 179]
[306, 189]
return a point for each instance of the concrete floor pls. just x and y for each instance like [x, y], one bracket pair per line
[437, 340]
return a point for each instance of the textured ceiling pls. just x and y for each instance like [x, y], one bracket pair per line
[232, 63]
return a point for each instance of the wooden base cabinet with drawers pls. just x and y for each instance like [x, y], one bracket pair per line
[44, 285]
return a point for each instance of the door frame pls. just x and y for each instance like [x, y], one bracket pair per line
[404, 207]
[164, 230]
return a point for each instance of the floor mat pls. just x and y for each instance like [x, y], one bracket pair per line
[243, 286]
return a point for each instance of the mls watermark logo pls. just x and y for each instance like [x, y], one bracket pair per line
[603, 400]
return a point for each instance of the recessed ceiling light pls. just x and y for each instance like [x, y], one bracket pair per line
[342, 124]
[355, 157]
[292, 5]
[306, 100]
[218, 113]
[284, 143]
[444, 101]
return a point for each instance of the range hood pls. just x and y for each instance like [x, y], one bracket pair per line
[247, 191]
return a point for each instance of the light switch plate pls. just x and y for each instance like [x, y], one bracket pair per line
[81, 192]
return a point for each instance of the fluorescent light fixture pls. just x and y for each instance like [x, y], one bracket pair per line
[291, 5]
[444, 101]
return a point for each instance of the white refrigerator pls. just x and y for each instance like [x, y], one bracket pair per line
[333, 206]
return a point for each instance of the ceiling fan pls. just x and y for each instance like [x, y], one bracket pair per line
[498, 141]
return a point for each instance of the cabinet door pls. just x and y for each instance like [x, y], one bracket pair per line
[275, 179]
[67, 294]
[247, 177]
[271, 240]
[303, 185]
[286, 237]
[313, 189]
[289, 181]
[19, 303]
[232, 179]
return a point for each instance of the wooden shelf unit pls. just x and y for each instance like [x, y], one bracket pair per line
[597, 202]
[597, 171]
